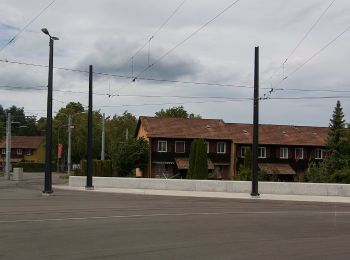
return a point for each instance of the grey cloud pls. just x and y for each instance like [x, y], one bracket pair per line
[113, 55]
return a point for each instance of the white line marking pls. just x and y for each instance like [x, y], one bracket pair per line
[160, 215]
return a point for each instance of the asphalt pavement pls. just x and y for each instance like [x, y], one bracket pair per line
[99, 225]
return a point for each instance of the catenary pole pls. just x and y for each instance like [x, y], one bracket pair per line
[48, 147]
[8, 146]
[89, 141]
[69, 152]
[103, 138]
[255, 191]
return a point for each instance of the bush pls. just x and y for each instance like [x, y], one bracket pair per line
[33, 167]
[99, 168]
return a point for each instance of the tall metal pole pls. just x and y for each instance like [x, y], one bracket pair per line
[255, 191]
[8, 146]
[48, 149]
[103, 138]
[89, 142]
[58, 144]
[69, 153]
[127, 134]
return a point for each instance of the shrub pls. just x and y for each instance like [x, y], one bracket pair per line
[33, 167]
[99, 168]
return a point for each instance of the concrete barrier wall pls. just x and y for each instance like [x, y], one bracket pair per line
[286, 188]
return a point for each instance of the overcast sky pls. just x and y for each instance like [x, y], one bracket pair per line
[108, 33]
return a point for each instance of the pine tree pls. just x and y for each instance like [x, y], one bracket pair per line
[192, 159]
[336, 127]
[198, 168]
[201, 167]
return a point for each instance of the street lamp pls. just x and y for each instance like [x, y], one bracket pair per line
[48, 147]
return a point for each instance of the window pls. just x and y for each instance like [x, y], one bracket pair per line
[3, 151]
[28, 152]
[207, 144]
[299, 153]
[179, 147]
[19, 151]
[262, 152]
[318, 153]
[221, 147]
[162, 146]
[244, 150]
[284, 153]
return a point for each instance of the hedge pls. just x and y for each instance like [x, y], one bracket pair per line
[32, 167]
[99, 168]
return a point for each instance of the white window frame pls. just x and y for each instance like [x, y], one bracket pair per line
[219, 145]
[3, 151]
[207, 144]
[28, 152]
[19, 151]
[263, 150]
[184, 145]
[243, 150]
[316, 153]
[302, 153]
[159, 146]
[284, 155]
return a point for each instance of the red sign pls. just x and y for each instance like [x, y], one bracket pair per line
[59, 152]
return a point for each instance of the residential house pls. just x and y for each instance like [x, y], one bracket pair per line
[283, 150]
[24, 149]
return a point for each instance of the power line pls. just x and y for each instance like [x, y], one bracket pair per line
[301, 41]
[158, 30]
[42, 88]
[125, 76]
[309, 98]
[309, 31]
[178, 103]
[26, 26]
[186, 39]
[313, 56]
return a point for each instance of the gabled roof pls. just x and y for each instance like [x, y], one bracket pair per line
[184, 128]
[240, 133]
[280, 134]
[24, 142]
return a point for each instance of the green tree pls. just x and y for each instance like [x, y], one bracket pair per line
[336, 127]
[23, 125]
[178, 112]
[245, 170]
[336, 164]
[2, 123]
[198, 160]
[118, 130]
[79, 132]
[130, 155]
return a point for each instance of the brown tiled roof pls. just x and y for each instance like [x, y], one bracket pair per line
[280, 134]
[239, 133]
[277, 168]
[185, 128]
[24, 142]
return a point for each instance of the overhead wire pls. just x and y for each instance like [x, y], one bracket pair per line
[313, 56]
[309, 31]
[26, 26]
[186, 39]
[152, 37]
[125, 76]
[301, 41]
